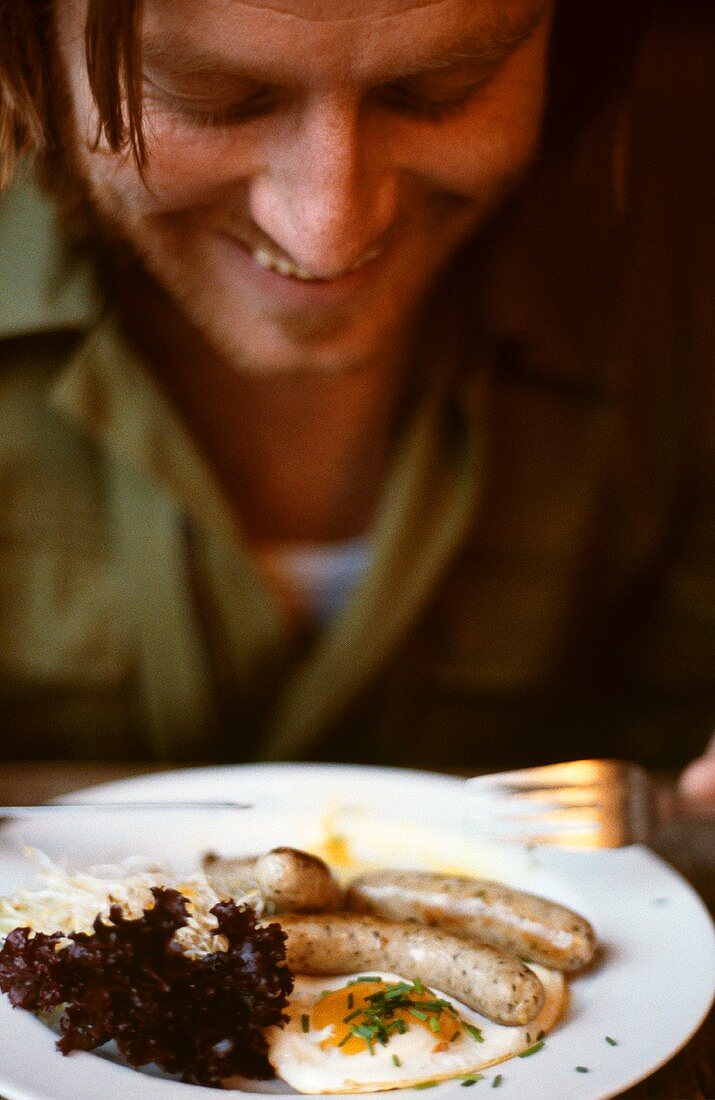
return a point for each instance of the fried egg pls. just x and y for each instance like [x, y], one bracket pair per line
[366, 1033]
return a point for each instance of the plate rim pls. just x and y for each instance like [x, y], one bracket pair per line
[157, 1087]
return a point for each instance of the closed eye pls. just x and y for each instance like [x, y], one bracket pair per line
[213, 110]
[255, 106]
[432, 105]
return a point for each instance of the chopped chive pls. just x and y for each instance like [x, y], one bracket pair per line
[611, 1042]
[352, 1015]
[474, 1032]
[364, 1031]
[366, 978]
[345, 1038]
[417, 986]
[531, 1050]
[455, 1036]
[351, 1000]
[395, 990]
[305, 1022]
[497, 1081]
[401, 1026]
[434, 1024]
[426, 1085]
[370, 1047]
[582, 1069]
[472, 1080]
[396, 1061]
[419, 1015]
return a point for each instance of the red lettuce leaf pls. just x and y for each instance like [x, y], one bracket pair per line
[202, 1018]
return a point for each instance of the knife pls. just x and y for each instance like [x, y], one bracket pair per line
[60, 808]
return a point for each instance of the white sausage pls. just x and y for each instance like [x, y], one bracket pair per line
[288, 880]
[295, 881]
[487, 980]
[479, 910]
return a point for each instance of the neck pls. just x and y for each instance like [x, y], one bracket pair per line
[301, 456]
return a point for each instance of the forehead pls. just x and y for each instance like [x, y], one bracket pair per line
[339, 10]
[351, 15]
[354, 34]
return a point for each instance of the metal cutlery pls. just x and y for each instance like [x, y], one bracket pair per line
[577, 804]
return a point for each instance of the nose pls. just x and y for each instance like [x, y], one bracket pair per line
[322, 195]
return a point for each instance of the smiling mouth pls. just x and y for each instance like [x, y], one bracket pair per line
[289, 270]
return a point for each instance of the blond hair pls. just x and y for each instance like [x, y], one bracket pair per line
[29, 105]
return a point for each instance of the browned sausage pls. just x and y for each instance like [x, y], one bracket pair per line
[479, 910]
[487, 980]
[295, 881]
[288, 880]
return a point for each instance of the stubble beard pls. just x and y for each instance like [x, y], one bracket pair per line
[292, 343]
[115, 233]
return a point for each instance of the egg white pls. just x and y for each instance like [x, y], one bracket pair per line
[299, 1060]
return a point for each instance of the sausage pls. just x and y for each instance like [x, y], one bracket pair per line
[288, 880]
[487, 980]
[295, 881]
[477, 909]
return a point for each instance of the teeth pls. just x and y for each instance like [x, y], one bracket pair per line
[263, 258]
[284, 267]
[267, 260]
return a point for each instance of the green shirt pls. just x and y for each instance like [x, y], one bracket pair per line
[543, 580]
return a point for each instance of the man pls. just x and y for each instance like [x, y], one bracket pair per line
[350, 434]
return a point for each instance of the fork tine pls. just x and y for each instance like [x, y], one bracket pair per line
[517, 809]
[581, 839]
[565, 834]
[581, 803]
[563, 796]
[572, 773]
[548, 814]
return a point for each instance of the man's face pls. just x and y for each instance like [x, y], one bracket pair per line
[313, 164]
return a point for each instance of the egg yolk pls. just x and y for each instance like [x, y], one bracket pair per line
[336, 851]
[369, 1012]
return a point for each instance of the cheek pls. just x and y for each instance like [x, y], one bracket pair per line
[186, 169]
[486, 156]
[480, 154]
[191, 165]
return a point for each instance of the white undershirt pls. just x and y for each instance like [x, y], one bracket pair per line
[315, 579]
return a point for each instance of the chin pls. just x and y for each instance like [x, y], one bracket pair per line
[268, 347]
[274, 354]
[336, 341]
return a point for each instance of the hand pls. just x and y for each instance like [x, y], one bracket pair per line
[697, 783]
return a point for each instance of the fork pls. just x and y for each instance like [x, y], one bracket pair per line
[577, 804]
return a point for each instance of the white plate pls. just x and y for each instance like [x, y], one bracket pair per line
[650, 993]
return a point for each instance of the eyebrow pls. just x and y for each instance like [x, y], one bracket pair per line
[485, 46]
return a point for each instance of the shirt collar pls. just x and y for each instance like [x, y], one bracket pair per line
[106, 389]
[45, 285]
